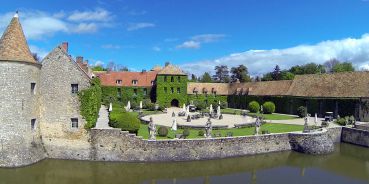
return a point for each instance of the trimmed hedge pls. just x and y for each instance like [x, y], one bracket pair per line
[163, 131]
[254, 106]
[268, 107]
[90, 102]
[119, 118]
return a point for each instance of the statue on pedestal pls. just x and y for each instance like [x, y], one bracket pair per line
[152, 130]
[208, 128]
[257, 126]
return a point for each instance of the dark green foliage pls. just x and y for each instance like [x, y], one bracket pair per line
[221, 74]
[343, 67]
[301, 111]
[98, 68]
[201, 133]
[241, 73]
[90, 103]
[163, 131]
[254, 106]
[341, 121]
[202, 101]
[186, 132]
[206, 78]
[265, 132]
[165, 97]
[268, 107]
[119, 118]
[150, 106]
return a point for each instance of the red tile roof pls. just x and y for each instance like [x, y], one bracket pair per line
[144, 78]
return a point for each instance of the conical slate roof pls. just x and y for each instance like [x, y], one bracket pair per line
[13, 44]
[171, 70]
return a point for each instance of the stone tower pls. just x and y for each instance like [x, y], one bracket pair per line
[20, 142]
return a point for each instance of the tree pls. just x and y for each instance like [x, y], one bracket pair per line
[206, 77]
[330, 64]
[36, 57]
[221, 74]
[193, 78]
[286, 75]
[241, 73]
[112, 66]
[343, 67]
[276, 75]
[98, 68]
[267, 77]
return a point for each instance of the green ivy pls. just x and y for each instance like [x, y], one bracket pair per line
[90, 102]
[121, 95]
[165, 98]
[208, 99]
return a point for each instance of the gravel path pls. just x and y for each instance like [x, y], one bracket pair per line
[103, 120]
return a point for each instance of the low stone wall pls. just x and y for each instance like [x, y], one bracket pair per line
[316, 143]
[355, 136]
[334, 134]
[115, 145]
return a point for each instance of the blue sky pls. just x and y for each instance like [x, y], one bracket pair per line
[199, 34]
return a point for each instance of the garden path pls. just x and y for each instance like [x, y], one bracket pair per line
[103, 120]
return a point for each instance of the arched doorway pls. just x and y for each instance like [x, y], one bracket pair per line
[174, 103]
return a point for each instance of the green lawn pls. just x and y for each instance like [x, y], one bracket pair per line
[272, 128]
[266, 116]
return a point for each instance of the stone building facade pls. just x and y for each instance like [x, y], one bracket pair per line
[36, 102]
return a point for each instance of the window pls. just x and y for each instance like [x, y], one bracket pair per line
[165, 90]
[74, 88]
[33, 124]
[135, 91]
[171, 90]
[165, 78]
[33, 88]
[118, 81]
[145, 91]
[178, 90]
[134, 82]
[171, 79]
[179, 79]
[74, 122]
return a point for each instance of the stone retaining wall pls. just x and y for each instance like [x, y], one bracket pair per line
[355, 136]
[316, 143]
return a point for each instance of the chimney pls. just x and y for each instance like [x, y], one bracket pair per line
[79, 59]
[86, 62]
[65, 46]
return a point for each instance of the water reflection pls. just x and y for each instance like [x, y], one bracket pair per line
[349, 164]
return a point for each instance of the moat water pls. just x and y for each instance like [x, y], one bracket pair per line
[349, 164]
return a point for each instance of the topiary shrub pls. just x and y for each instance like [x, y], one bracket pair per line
[163, 131]
[200, 105]
[268, 107]
[254, 106]
[118, 118]
[341, 121]
[302, 111]
[150, 106]
[186, 133]
[201, 133]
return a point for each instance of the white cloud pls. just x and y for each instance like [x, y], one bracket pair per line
[263, 61]
[98, 63]
[98, 14]
[189, 45]
[85, 28]
[196, 41]
[111, 46]
[140, 25]
[39, 24]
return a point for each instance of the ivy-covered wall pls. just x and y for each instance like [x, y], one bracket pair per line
[289, 105]
[122, 95]
[207, 99]
[168, 89]
[90, 102]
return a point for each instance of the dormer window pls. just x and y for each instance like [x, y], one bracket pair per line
[134, 82]
[118, 81]
[195, 90]
[213, 91]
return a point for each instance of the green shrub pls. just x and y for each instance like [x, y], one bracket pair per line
[200, 105]
[201, 133]
[119, 118]
[341, 121]
[265, 132]
[186, 133]
[223, 105]
[302, 111]
[269, 107]
[150, 106]
[254, 106]
[163, 131]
